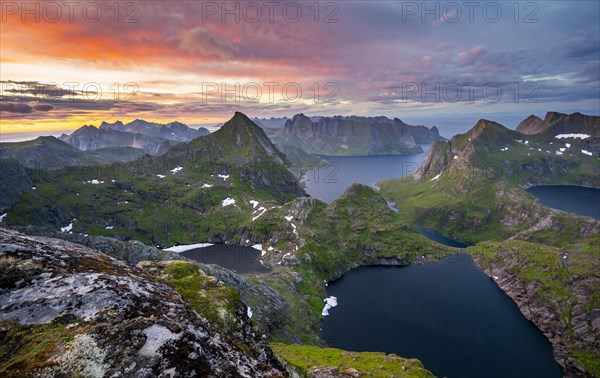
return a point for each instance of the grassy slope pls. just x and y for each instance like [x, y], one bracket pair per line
[369, 364]
[478, 195]
[176, 209]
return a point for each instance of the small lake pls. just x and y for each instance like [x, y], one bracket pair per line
[439, 238]
[327, 184]
[449, 315]
[574, 199]
[242, 260]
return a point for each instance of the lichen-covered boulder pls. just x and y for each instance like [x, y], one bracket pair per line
[67, 310]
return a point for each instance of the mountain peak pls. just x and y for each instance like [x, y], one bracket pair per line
[484, 127]
[240, 139]
[107, 125]
[531, 125]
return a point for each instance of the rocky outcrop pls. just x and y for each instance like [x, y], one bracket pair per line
[67, 310]
[348, 136]
[269, 308]
[438, 158]
[131, 251]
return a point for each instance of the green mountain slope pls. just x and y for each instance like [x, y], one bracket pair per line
[197, 191]
[471, 186]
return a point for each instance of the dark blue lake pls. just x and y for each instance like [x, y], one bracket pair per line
[242, 260]
[442, 239]
[570, 198]
[327, 184]
[449, 315]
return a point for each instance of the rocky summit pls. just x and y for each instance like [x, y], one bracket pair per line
[67, 310]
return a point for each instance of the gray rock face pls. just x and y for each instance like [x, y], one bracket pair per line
[131, 251]
[123, 322]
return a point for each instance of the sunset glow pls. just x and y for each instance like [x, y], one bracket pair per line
[198, 62]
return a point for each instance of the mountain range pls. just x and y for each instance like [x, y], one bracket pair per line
[47, 152]
[354, 136]
[555, 123]
[234, 186]
[152, 138]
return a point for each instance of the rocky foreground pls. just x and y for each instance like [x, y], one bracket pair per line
[67, 310]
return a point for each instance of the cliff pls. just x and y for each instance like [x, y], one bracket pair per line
[353, 136]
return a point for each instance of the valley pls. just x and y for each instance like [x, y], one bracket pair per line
[235, 187]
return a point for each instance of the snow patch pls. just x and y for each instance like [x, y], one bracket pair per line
[572, 135]
[568, 145]
[110, 227]
[224, 177]
[504, 149]
[228, 201]
[94, 182]
[2, 217]
[176, 169]
[587, 152]
[67, 228]
[262, 210]
[161, 176]
[330, 302]
[258, 247]
[207, 186]
[156, 337]
[253, 203]
[436, 177]
[187, 247]
[249, 312]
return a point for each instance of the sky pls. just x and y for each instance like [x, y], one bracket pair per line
[67, 64]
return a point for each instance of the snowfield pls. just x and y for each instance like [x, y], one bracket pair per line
[187, 247]
[575, 136]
